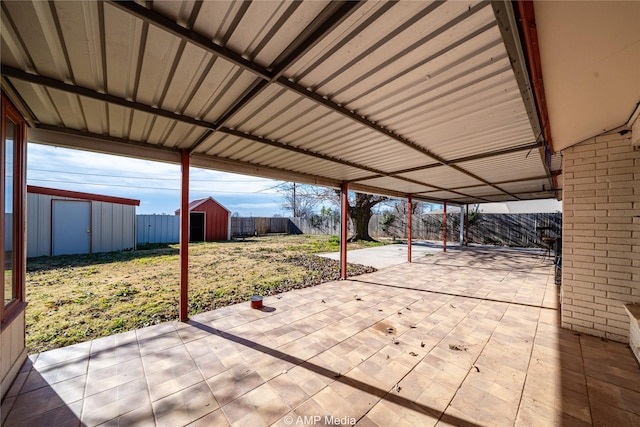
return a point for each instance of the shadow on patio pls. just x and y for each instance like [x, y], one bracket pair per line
[469, 337]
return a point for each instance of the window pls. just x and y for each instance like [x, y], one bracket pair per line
[9, 276]
[12, 193]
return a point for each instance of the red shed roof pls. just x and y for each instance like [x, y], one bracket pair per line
[195, 203]
[79, 195]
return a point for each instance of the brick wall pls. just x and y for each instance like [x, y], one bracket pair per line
[601, 235]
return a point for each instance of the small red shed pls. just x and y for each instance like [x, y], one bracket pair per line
[208, 221]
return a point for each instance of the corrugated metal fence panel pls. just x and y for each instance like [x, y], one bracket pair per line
[113, 227]
[38, 225]
[157, 229]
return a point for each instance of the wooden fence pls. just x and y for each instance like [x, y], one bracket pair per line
[257, 226]
[522, 230]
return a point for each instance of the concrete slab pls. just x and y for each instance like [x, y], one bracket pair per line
[386, 256]
[469, 337]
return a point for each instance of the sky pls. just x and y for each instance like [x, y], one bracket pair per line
[155, 184]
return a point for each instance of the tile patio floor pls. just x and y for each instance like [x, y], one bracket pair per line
[465, 337]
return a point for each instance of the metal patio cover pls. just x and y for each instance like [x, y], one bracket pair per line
[425, 98]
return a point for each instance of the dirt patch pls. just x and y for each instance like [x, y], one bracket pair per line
[385, 328]
[78, 298]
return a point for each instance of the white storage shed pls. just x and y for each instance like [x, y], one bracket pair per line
[63, 222]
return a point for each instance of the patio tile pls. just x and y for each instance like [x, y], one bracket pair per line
[35, 403]
[115, 375]
[61, 416]
[185, 406]
[157, 343]
[115, 402]
[213, 419]
[459, 359]
[260, 407]
[138, 417]
[175, 378]
[233, 383]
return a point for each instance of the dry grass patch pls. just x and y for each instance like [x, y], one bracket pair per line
[82, 297]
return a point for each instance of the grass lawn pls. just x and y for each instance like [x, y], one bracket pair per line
[76, 298]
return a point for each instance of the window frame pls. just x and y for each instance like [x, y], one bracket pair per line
[11, 310]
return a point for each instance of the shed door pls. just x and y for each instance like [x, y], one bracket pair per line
[196, 227]
[71, 227]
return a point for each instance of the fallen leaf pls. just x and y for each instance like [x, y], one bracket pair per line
[457, 347]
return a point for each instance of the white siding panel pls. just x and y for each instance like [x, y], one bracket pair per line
[38, 225]
[112, 225]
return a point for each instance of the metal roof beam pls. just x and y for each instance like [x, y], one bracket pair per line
[336, 13]
[485, 155]
[174, 28]
[276, 144]
[78, 90]
[72, 138]
[99, 96]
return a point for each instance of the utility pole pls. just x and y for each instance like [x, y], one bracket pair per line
[294, 199]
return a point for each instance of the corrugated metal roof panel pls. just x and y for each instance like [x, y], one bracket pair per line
[479, 191]
[362, 87]
[442, 176]
[522, 164]
[440, 195]
[523, 187]
[398, 184]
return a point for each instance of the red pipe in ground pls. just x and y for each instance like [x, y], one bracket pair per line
[444, 228]
[184, 236]
[344, 208]
[410, 208]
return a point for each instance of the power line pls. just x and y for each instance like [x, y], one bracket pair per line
[208, 190]
[176, 179]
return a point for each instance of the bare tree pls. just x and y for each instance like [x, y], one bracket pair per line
[360, 211]
[302, 200]
[299, 199]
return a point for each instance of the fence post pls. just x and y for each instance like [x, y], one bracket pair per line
[409, 218]
[444, 229]
[344, 207]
